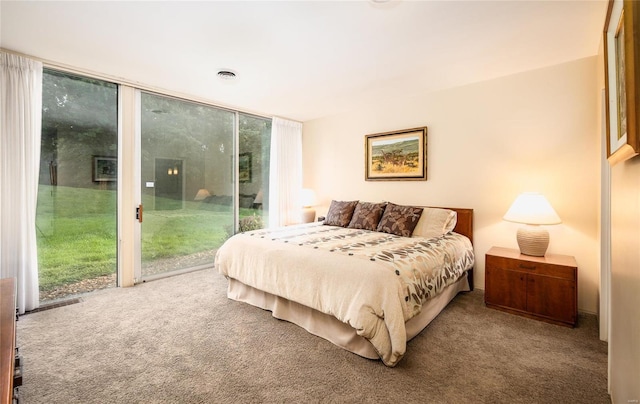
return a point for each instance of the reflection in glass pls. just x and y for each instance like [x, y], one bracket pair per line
[253, 171]
[187, 182]
[76, 213]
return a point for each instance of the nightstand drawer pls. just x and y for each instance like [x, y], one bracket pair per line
[540, 268]
[544, 288]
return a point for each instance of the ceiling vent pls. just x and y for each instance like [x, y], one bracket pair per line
[226, 75]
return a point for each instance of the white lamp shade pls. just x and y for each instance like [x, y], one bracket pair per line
[259, 197]
[308, 197]
[202, 195]
[532, 208]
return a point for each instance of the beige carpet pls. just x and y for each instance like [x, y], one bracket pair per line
[180, 340]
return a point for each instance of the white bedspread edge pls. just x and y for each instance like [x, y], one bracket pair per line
[332, 329]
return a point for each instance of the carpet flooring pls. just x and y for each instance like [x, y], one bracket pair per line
[180, 340]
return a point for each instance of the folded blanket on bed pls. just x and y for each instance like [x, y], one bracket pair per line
[373, 281]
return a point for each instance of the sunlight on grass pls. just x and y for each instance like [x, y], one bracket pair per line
[76, 233]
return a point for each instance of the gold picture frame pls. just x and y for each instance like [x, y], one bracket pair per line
[396, 156]
[621, 79]
[105, 168]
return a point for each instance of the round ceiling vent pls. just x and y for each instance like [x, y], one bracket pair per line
[226, 75]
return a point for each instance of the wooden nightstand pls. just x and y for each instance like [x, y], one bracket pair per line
[543, 288]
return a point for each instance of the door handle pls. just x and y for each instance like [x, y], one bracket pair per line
[139, 213]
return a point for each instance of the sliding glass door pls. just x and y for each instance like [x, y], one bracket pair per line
[77, 193]
[254, 146]
[187, 183]
[204, 175]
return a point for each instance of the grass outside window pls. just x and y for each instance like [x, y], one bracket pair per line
[77, 233]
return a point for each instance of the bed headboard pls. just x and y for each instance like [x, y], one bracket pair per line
[464, 226]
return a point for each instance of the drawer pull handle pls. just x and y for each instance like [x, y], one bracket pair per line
[523, 266]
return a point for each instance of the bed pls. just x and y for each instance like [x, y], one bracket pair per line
[363, 287]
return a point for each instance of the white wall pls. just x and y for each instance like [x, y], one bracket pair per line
[487, 142]
[624, 354]
[624, 280]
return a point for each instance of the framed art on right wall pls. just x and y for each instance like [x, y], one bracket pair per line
[621, 80]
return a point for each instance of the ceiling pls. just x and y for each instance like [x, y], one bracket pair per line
[304, 59]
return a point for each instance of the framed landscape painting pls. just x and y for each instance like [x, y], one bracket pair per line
[621, 80]
[105, 168]
[396, 156]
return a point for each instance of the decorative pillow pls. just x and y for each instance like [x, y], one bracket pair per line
[367, 215]
[399, 220]
[435, 222]
[340, 213]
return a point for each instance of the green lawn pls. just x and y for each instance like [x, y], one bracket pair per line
[76, 233]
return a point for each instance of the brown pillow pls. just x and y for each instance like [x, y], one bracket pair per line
[399, 220]
[340, 213]
[367, 215]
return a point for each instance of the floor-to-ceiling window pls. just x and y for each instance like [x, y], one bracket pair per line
[76, 213]
[187, 179]
[254, 146]
[204, 175]
[192, 178]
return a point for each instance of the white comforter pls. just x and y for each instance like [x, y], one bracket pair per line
[373, 281]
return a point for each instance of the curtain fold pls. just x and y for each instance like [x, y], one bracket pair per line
[20, 127]
[285, 174]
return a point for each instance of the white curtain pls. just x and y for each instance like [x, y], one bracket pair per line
[20, 124]
[285, 173]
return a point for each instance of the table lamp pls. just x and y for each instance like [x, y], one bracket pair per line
[308, 197]
[202, 195]
[533, 210]
[257, 203]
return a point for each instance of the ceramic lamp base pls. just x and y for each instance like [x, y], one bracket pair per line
[533, 240]
[308, 215]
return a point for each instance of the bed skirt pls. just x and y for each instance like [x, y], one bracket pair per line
[332, 329]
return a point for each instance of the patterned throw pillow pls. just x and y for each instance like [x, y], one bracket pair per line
[367, 215]
[340, 213]
[399, 220]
